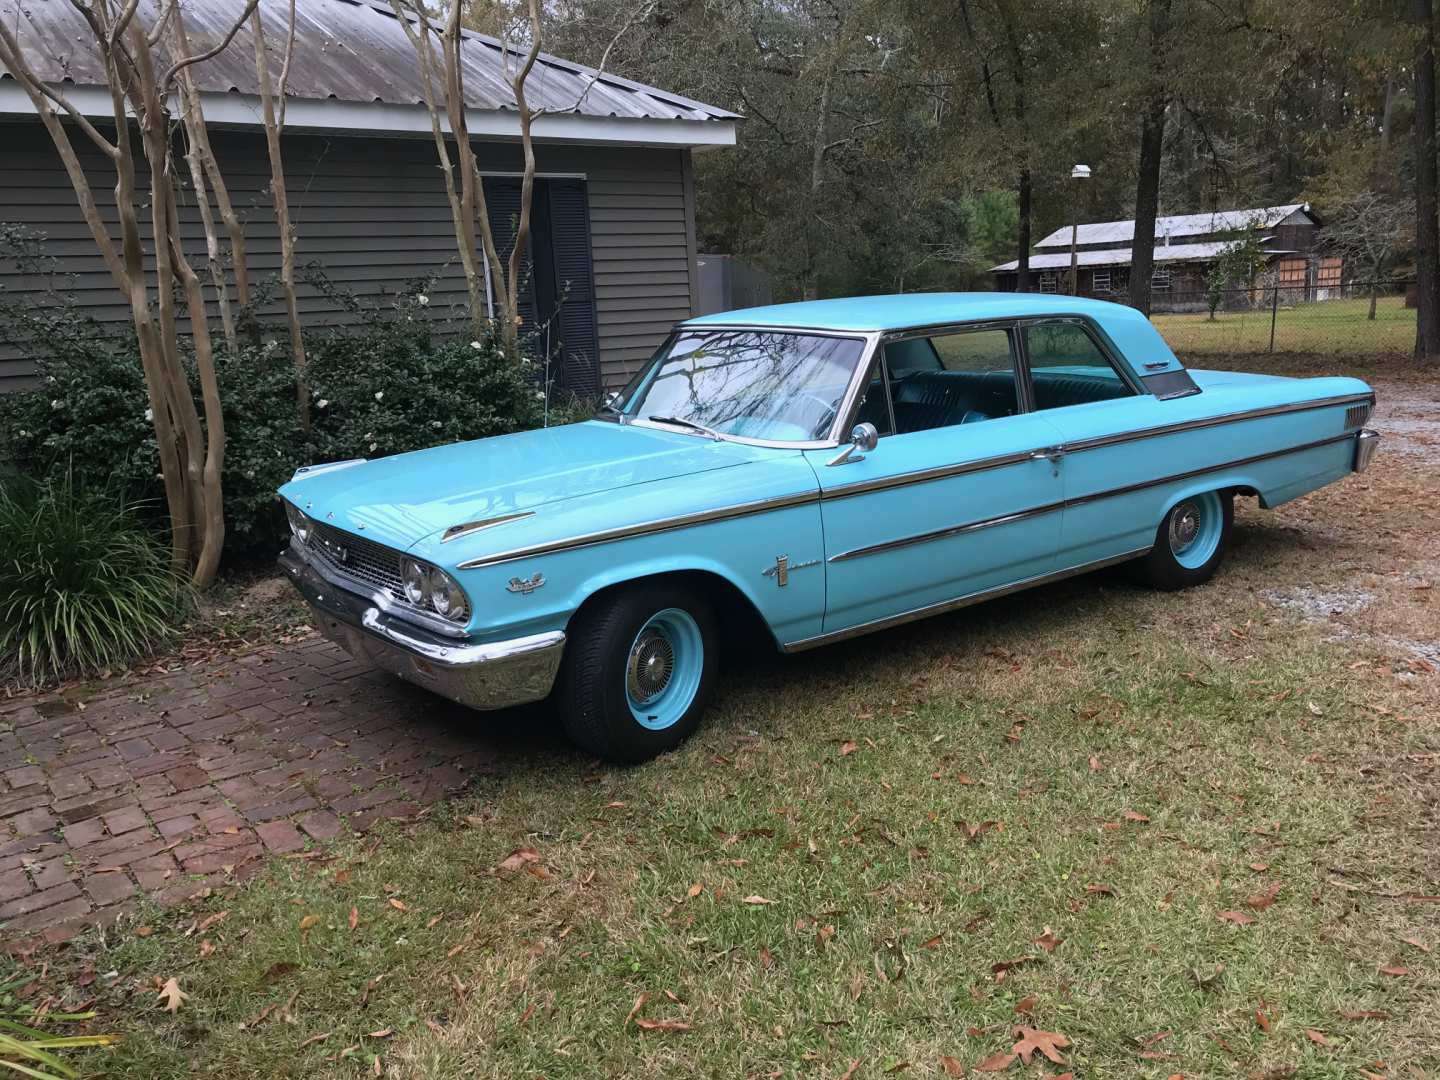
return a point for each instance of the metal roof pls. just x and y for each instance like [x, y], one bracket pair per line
[345, 50]
[1123, 232]
[1121, 256]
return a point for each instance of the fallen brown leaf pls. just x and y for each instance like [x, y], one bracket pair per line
[664, 1025]
[1417, 943]
[1262, 900]
[850, 1072]
[996, 1063]
[952, 1067]
[1394, 970]
[1025, 1005]
[634, 1009]
[1317, 1037]
[172, 995]
[518, 858]
[1239, 918]
[312, 1040]
[1048, 941]
[398, 905]
[1138, 818]
[848, 747]
[756, 900]
[694, 890]
[1364, 1014]
[1049, 1043]
[934, 942]
[354, 917]
[1095, 889]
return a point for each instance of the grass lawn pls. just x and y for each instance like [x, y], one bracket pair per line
[1185, 831]
[1334, 326]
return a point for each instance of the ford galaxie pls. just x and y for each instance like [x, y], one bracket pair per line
[806, 472]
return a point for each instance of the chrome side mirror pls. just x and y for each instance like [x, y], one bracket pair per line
[863, 439]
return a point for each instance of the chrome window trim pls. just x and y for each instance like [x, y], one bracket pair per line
[1064, 504]
[1097, 335]
[959, 602]
[648, 528]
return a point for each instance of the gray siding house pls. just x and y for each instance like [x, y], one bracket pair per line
[613, 253]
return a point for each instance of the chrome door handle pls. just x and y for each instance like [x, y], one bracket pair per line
[1052, 454]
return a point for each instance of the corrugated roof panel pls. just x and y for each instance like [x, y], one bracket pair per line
[1121, 256]
[1123, 232]
[348, 50]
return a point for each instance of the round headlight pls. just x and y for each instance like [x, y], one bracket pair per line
[447, 598]
[299, 523]
[412, 578]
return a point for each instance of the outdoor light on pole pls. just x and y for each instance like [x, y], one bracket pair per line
[1079, 172]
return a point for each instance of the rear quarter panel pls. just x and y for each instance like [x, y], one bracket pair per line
[1258, 454]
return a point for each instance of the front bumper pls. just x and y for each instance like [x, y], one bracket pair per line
[1366, 443]
[494, 675]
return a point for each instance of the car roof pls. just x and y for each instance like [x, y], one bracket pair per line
[906, 310]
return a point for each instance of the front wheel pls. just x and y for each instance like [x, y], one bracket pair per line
[639, 667]
[1190, 542]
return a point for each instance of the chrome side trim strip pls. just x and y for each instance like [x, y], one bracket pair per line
[942, 534]
[943, 472]
[454, 532]
[647, 528]
[1214, 421]
[1050, 508]
[959, 602]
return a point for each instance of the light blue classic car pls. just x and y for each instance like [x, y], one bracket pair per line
[806, 472]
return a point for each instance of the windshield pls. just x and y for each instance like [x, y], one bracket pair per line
[752, 384]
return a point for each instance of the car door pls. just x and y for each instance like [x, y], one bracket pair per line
[959, 496]
[1093, 400]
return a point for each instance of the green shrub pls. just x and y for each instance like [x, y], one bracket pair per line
[385, 385]
[84, 586]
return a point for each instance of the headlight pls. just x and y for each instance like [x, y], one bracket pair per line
[447, 598]
[412, 577]
[299, 523]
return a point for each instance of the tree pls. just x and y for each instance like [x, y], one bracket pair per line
[1239, 261]
[1155, 101]
[1372, 230]
[191, 445]
[1427, 229]
[438, 52]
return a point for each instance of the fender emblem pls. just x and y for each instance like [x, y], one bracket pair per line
[525, 586]
[783, 568]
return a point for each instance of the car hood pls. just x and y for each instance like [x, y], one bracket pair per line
[400, 500]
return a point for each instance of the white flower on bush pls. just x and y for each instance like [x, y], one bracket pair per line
[476, 345]
[55, 404]
[149, 415]
[433, 423]
[24, 434]
[372, 447]
[539, 395]
[422, 299]
[379, 394]
[323, 403]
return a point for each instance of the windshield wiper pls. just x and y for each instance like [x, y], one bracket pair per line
[679, 422]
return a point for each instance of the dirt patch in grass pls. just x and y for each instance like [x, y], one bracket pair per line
[1193, 832]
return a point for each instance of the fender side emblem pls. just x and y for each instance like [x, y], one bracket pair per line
[783, 567]
[525, 586]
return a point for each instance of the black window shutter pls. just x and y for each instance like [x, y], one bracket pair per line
[574, 325]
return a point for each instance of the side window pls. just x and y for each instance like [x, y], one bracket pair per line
[874, 408]
[965, 378]
[1068, 368]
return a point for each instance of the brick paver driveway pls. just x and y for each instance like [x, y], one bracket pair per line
[170, 784]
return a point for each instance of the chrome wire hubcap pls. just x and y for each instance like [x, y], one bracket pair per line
[652, 662]
[1184, 526]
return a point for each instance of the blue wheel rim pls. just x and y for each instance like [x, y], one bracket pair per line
[663, 669]
[1195, 525]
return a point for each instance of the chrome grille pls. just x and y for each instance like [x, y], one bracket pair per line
[1357, 415]
[355, 557]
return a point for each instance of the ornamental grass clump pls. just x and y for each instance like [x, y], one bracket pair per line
[84, 586]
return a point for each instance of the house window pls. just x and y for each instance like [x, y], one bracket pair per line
[1047, 281]
[1101, 281]
[1160, 279]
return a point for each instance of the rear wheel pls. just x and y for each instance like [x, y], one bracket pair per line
[639, 667]
[1191, 541]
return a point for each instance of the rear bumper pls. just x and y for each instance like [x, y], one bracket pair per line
[494, 675]
[1366, 443]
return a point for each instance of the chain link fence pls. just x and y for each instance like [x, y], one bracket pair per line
[1360, 317]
